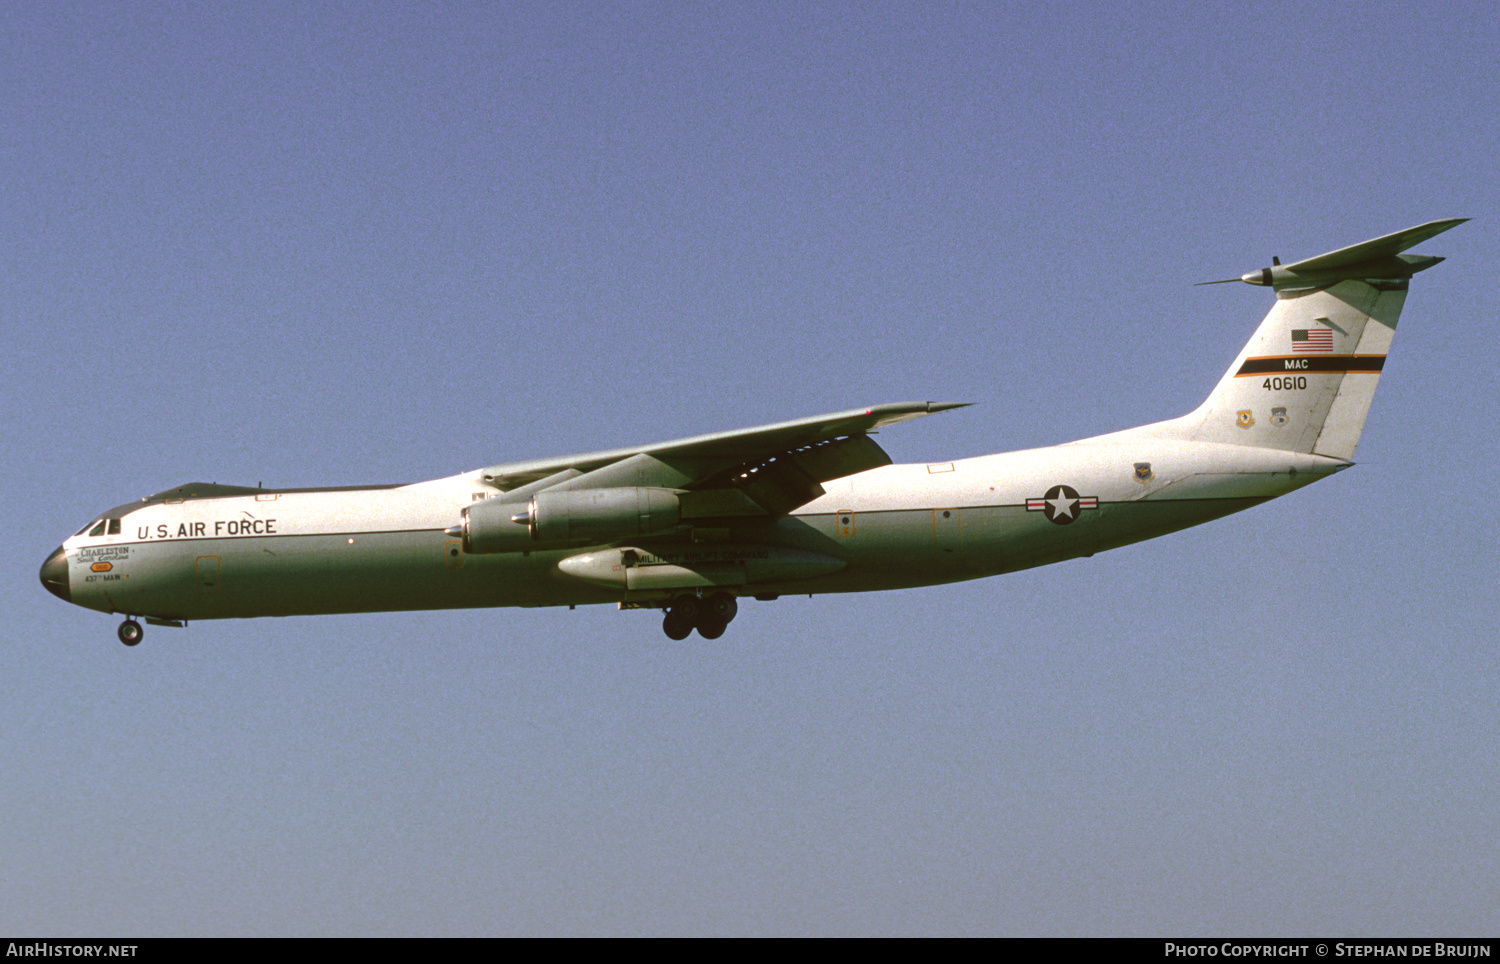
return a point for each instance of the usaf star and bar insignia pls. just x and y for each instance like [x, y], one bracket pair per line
[1062, 504]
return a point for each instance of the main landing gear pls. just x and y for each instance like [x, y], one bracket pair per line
[130, 632]
[709, 615]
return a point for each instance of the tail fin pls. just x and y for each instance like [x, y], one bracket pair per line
[1305, 381]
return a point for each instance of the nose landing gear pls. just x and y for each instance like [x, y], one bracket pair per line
[710, 616]
[130, 632]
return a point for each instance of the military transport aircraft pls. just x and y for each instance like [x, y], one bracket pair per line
[809, 506]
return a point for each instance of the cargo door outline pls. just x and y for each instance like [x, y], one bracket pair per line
[947, 529]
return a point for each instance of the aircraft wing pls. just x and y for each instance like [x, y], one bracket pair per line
[768, 470]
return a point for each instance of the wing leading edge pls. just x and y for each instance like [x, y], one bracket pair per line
[767, 470]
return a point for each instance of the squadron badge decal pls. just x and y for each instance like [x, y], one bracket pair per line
[1062, 504]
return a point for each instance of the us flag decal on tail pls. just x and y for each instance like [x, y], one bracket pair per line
[1312, 340]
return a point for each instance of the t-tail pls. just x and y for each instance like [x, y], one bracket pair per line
[1305, 381]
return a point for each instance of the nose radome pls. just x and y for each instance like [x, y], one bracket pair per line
[55, 575]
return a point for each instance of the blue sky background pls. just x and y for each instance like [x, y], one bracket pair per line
[318, 244]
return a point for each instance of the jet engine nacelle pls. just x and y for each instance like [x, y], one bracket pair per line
[568, 518]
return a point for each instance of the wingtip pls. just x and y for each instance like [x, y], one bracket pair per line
[934, 407]
[1434, 228]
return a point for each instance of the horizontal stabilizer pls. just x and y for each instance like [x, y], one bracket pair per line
[1378, 258]
[1384, 247]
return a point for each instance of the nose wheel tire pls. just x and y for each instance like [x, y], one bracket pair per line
[130, 632]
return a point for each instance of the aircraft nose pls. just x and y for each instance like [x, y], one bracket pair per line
[55, 575]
